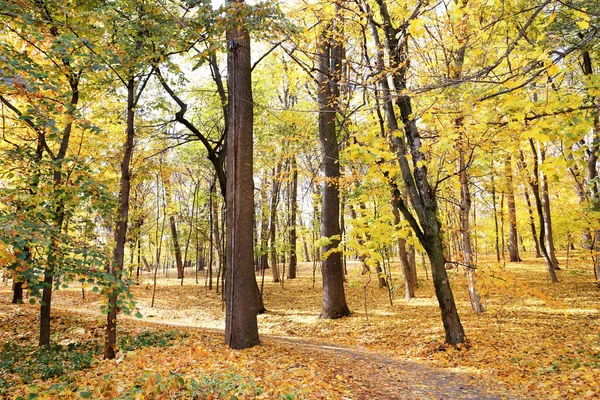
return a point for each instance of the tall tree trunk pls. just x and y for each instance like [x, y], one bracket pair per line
[273, 222]
[538, 253]
[329, 59]
[513, 241]
[304, 241]
[547, 215]
[241, 327]
[293, 211]
[116, 269]
[494, 203]
[535, 187]
[465, 230]
[59, 210]
[420, 193]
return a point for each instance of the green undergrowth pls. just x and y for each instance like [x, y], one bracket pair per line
[22, 364]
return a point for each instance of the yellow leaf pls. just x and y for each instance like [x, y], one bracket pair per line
[583, 24]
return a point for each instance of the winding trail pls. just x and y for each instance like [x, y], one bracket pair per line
[373, 375]
[378, 376]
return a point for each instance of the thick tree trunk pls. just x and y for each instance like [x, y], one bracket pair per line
[329, 53]
[17, 292]
[241, 328]
[116, 269]
[293, 211]
[513, 241]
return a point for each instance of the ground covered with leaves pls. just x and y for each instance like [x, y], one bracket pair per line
[535, 340]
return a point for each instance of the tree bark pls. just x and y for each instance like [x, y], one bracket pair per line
[465, 230]
[273, 222]
[116, 269]
[538, 253]
[293, 211]
[241, 327]
[535, 187]
[329, 59]
[420, 193]
[17, 292]
[513, 241]
[494, 203]
[547, 215]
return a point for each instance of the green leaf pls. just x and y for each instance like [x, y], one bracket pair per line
[85, 395]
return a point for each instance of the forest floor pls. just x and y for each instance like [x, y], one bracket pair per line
[535, 340]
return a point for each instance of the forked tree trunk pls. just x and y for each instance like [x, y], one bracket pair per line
[59, 211]
[241, 328]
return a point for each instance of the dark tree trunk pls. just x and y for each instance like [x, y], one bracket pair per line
[273, 222]
[409, 283]
[241, 328]
[176, 247]
[329, 53]
[513, 241]
[412, 262]
[116, 269]
[17, 292]
[293, 211]
[535, 187]
[494, 203]
[538, 253]
[420, 193]
[59, 211]
[547, 215]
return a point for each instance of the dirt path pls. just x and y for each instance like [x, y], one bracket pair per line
[375, 376]
[371, 375]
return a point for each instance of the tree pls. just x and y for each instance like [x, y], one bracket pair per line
[421, 194]
[241, 327]
[328, 78]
